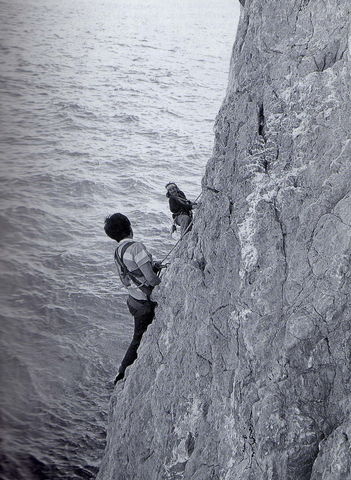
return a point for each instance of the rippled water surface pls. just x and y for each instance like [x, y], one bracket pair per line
[102, 103]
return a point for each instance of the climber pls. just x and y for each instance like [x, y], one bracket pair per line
[138, 273]
[180, 207]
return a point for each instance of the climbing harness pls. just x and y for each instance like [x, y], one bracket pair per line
[134, 275]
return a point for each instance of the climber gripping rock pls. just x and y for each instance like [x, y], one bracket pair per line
[138, 273]
[180, 207]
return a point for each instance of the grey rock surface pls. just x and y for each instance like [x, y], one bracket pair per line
[245, 373]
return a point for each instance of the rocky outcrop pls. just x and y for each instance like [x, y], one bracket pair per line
[245, 373]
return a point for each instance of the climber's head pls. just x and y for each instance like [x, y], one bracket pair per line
[172, 189]
[118, 227]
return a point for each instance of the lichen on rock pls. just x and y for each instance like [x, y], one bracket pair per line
[245, 372]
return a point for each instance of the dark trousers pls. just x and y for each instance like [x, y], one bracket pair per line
[143, 312]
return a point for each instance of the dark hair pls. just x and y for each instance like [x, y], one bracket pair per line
[179, 193]
[117, 226]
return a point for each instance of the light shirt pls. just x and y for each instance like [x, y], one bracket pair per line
[134, 257]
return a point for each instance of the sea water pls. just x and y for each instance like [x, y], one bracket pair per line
[102, 103]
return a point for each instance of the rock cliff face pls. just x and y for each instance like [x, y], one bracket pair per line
[245, 372]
